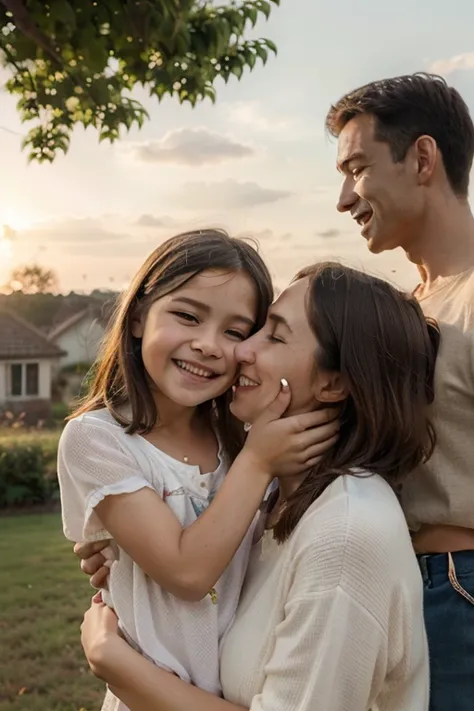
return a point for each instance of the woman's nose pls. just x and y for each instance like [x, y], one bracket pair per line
[245, 352]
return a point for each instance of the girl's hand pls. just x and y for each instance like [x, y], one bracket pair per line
[290, 445]
[99, 631]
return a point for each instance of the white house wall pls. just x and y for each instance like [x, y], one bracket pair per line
[81, 342]
[3, 382]
[45, 379]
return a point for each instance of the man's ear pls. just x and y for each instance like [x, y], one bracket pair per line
[330, 387]
[427, 157]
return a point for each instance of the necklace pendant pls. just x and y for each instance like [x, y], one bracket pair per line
[185, 460]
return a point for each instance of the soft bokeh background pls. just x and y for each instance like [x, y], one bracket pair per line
[257, 162]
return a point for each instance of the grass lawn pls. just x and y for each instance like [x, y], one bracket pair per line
[43, 595]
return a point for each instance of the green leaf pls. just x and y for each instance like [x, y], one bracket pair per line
[262, 52]
[252, 14]
[264, 7]
[107, 49]
[61, 11]
[271, 46]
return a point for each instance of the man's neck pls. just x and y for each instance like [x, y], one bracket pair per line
[446, 244]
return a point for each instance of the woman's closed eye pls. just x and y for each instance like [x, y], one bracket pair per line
[273, 338]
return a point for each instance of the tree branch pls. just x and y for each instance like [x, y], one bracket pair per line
[23, 22]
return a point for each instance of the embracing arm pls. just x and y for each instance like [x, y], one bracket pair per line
[329, 655]
[142, 686]
[188, 561]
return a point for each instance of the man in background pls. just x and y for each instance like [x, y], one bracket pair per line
[405, 152]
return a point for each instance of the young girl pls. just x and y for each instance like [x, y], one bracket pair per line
[143, 459]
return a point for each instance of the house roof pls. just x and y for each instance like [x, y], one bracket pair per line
[68, 323]
[97, 312]
[19, 339]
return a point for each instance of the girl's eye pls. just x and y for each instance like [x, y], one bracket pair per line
[357, 172]
[237, 334]
[185, 316]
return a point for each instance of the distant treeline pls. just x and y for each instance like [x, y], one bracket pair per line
[46, 311]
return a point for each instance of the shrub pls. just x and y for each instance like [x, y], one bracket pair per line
[59, 411]
[28, 469]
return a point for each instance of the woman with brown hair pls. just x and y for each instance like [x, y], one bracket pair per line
[331, 614]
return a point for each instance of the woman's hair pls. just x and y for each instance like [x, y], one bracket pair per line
[119, 377]
[378, 339]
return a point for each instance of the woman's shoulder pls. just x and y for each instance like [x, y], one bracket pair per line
[357, 517]
[355, 538]
[351, 496]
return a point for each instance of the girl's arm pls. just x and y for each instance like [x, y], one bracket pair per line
[137, 682]
[188, 561]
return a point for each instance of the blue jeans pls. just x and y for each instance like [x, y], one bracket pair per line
[449, 618]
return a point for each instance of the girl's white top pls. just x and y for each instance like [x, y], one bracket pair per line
[98, 459]
[332, 619]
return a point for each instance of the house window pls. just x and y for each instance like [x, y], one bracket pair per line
[16, 379]
[24, 379]
[32, 379]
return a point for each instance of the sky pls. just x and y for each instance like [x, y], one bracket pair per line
[257, 163]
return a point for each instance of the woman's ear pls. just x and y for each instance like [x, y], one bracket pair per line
[138, 324]
[330, 387]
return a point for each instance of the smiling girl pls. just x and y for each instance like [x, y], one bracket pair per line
[144, 460]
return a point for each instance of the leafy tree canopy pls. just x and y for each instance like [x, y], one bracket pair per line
[77, 61]
[32, 279]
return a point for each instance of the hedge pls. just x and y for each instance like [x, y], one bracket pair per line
[28, 469]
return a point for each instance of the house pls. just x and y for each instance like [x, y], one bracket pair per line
[79, 337]
[27, 362]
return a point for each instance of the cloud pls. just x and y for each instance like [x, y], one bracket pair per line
[68, 230]
[249, 113]
[329, 233]
[148, 220]
[276, 125]
[445, 67]
[229, 194]
[191, 146]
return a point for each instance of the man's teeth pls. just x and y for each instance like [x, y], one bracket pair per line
[195, 371]
[245, 382]
[362, 219]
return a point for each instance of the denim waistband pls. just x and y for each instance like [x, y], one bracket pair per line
[436, 565]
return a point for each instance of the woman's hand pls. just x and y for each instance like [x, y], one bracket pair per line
[290, 445]
[99, 632]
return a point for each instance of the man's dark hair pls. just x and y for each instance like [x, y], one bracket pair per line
[411, 106]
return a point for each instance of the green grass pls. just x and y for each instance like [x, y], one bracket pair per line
[43, 596]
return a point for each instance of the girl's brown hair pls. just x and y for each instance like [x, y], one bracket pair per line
[119, 376]
[385, 349]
